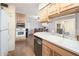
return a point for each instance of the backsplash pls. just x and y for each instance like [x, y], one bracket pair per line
[68, 22]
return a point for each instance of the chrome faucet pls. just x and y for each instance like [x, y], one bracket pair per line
[63, 32]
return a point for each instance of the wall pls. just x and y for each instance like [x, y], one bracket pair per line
[12, 26]
[51, 26]
[12, 29]
[69, 24]
[32, 23]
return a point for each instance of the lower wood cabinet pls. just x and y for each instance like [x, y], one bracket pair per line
[56, 54]
[46, 50]
[49, 49]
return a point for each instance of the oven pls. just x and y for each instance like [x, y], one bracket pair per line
[20, 32]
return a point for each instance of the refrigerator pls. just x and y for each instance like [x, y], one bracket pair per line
[4, 33]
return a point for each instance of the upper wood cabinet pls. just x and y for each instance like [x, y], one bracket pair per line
[60, 7]
[66, 6]
[52, 8]
[57, 9]
[43, 14]
[20, 18]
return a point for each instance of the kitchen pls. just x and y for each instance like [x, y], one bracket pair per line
[41, 29]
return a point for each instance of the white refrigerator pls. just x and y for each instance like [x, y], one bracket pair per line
[4, 34]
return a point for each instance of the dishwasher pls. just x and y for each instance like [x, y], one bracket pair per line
[38, 46]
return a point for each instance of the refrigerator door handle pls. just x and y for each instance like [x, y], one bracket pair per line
[8, 33]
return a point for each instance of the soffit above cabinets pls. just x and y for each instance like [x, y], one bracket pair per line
[42, 5]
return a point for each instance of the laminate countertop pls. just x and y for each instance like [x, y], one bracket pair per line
[68, 44]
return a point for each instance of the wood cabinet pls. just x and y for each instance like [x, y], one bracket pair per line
[43, 14]
[56, 54]
[20, 18]
[66, 6]
[49, 49]
[57, 9]
[53, 8]
[60, 9]
[46, 50]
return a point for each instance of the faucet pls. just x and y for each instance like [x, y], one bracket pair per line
[63, 31]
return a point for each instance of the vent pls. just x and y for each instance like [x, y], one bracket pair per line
[4, 5]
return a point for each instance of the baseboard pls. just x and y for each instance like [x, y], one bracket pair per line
[13, 52]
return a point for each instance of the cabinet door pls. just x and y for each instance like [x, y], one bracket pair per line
[46, 51]
[52, 8]
[60, 51]
[44, 14]
[66, 6]
[20, 18]
[56, 54]
[41, 14]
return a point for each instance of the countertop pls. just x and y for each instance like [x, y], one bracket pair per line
[68, 44]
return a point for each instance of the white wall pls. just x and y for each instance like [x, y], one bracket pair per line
[69, 24]
[32, 23]
[51, 26]
[12, 29]
[12, 26]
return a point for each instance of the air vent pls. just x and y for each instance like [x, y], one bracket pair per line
[4, 5]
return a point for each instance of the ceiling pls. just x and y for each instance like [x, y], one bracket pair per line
[30, 9]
